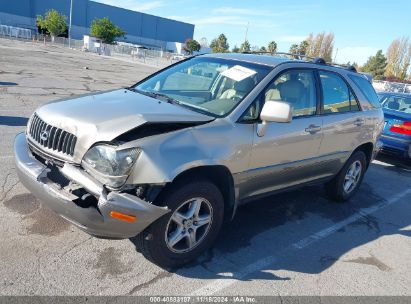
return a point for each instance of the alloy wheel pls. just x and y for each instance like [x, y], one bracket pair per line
[352, 176]
[188, 225]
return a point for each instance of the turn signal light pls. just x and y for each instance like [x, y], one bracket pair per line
[404, 128]
[123, 217]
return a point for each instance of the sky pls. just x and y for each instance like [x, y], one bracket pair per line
[361, 27]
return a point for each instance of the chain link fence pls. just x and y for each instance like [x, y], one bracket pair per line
[127, 52]
[15, 32]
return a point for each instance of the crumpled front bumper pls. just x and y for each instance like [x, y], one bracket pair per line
[95, 220]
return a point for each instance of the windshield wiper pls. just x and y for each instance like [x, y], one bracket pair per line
[168, 99]
[157, 95]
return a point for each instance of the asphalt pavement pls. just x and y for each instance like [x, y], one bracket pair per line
[296, 243]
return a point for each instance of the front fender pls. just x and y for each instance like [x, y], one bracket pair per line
[165, 156]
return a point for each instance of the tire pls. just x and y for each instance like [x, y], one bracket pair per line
[337, 188]
[155, 242]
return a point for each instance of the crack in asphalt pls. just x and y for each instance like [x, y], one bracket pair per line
[5, 182]
[371, 261]
[160, 276]
[5, 193]
[76, 245]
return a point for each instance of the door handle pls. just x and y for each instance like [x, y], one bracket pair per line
[313, 129]
[359, 122]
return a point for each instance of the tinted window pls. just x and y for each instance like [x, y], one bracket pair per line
[296, 87]
[337, 96]
[367, 89]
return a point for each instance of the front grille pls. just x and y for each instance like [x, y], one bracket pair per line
[51, 137]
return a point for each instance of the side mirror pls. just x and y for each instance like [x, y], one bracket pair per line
[274, 111]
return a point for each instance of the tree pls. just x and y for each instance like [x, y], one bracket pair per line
[235, 49]
[327, 47]
[220, 45]
[106, 30]
[263, 49]
[299, 49]
[321, 45]
[191, 46]
[317, 44]
[293, 49]
[376, 65]
[303, 47]
[310, 45]
[272, 47]
[398, 58]
[54, 22]
[245, 46]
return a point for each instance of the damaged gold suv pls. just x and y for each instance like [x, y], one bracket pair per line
[169, 159]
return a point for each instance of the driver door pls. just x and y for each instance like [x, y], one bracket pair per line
[287, 154]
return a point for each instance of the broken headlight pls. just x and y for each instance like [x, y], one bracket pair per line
[109, 165]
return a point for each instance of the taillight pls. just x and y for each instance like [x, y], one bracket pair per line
[404, 128]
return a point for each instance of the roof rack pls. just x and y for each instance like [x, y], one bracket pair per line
[319, 60]
[345, 66]
[303, 57]
[282, 54]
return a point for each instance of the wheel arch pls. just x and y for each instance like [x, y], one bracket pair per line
[367, 148]
[219, 175]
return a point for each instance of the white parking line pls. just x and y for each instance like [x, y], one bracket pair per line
[219, 284]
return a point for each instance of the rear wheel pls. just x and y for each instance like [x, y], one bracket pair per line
[346, 183]
[197, 210]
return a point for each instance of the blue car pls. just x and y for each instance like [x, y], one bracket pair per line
[396, 136]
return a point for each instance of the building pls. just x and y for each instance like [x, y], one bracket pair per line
[141, 28]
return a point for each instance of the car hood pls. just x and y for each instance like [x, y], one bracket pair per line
[104, 116]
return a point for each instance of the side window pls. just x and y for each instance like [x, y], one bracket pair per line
[296, 87]
[367, 89]
[337, 96]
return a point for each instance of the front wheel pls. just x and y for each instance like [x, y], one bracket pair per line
[197, 211]
[346, 183]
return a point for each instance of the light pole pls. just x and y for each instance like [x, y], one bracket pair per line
[246, 31]
[71, 12]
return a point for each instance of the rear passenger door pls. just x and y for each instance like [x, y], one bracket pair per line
[343, 122]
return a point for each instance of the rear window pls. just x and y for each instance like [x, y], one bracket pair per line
[397, 103]
[366, 88]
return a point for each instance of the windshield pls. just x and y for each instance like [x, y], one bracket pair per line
[211, 86]
[397, 103]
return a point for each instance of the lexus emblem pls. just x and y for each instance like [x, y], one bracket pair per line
[44, 135]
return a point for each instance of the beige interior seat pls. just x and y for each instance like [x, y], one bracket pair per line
[292, 91]
[239, 89]
[272, 94]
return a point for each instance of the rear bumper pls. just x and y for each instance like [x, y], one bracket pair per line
[94, 220]
[396, 146]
